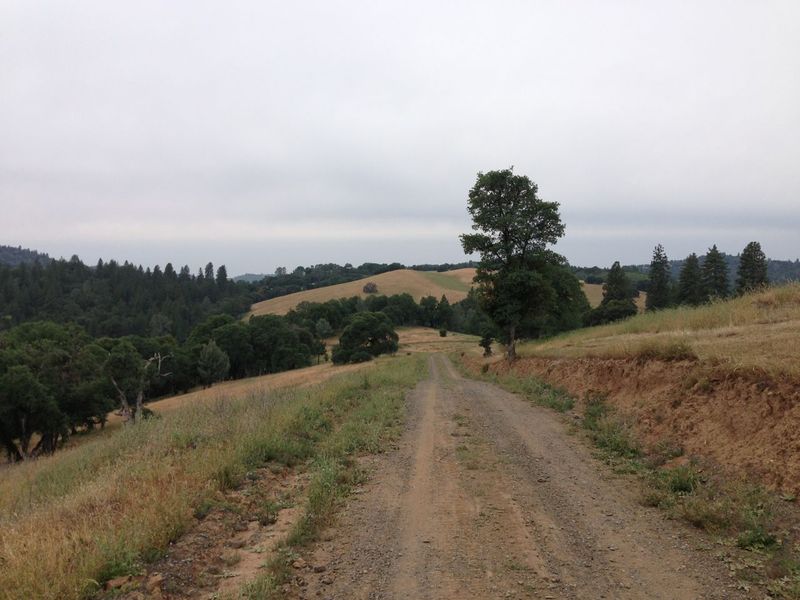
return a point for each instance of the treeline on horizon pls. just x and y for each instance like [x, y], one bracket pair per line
[778, 271]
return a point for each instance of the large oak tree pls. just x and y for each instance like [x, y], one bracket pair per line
[513, 229]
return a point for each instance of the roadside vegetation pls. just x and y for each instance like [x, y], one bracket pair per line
[107, 507]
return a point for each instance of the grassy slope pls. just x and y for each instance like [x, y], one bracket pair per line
[757, 331]
[98, 511]
[453, 284]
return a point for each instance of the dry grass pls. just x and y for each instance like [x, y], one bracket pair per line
[425, 339]
[757, 331]
[251, 385]
[70, 522]
[453, 284]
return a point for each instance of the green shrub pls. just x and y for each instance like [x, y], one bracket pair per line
[681, 480]
[360, 357]
[607, 430]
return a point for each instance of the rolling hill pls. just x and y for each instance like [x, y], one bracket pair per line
[453, 284]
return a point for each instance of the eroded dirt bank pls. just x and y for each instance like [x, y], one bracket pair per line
[747, 423]
[488, 496]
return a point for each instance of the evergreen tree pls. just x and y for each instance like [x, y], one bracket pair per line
[617, 300]
[715, 274]
[209, 272]
[444, 313]
[213, 364]
[752, 269]
[222, 277]
[427, 310]
[690, 282]
[658, 292]
[617, 285]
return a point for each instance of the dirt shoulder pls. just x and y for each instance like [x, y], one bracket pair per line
[745, 422]
[488, 496]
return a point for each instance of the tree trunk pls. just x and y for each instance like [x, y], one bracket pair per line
[139, 407]
[512, 343]
[123, 401]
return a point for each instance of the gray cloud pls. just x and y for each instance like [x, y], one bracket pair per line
[265, 133]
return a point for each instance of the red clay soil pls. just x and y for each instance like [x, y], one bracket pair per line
[747, 423]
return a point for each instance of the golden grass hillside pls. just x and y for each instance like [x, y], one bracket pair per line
[756, 331]
[453, 284]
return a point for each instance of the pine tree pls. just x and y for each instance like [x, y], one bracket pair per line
[715, 274]
[222, 277]
[658, 292]
[752, 269]
[617, 300]
[690, 282]
[617, 285]
[444, 313]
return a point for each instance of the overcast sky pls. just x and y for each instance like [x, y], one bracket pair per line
[260, 134]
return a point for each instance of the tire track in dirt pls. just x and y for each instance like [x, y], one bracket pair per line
[488, 496]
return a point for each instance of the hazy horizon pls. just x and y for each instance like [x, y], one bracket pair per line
[263, 135]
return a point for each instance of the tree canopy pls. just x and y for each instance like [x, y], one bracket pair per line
[659, 292]
[516, 273]
[617, 300]
[752, 269]
[691, 289]
[368, 332]
[715, 274]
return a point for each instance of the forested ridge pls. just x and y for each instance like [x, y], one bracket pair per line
[113, 299]
[15, 255]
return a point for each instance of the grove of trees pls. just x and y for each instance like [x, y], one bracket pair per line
[702, 280]
[368, 334]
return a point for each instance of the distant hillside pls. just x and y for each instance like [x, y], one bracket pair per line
[11, 256]
[453, 284]
[284, 282]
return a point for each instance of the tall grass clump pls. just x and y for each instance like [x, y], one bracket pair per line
[104, 508]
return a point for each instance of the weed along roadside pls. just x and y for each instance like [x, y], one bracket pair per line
[112, 507]
[753, 530]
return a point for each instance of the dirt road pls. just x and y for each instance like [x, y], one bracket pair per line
[488, 496]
